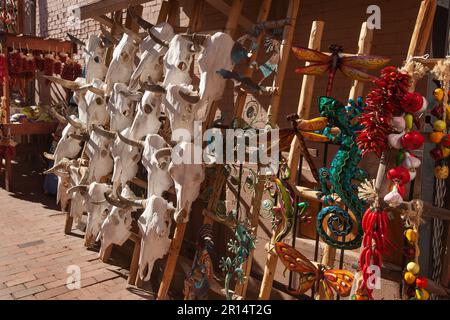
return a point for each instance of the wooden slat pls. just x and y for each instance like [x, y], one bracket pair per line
[104, 7]
[180, 230]
[106, 21]
[37, 43]
[285, 52]
[227, 10]
[304, 107]
[306, 96]
[364, 48]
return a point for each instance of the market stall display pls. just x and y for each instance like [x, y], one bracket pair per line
[127, 159]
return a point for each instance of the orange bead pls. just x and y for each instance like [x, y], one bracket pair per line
[436, 137]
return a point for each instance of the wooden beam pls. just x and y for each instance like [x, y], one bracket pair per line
[285, 52]
[305, 100]
[364, 48]
[422, 29]
[103, 19]
[104, 7]
[226, 9]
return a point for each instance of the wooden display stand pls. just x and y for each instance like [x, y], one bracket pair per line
[219, 181]
[417, 47]
[9, 130]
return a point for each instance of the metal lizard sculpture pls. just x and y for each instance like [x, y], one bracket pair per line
[340, 175]
[241, 247]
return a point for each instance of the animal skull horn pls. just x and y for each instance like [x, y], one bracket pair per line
[158, 40]
[138, 19]
[133, 143]
[56, 115]
[104, 133]
[130, 203]
[97, 91]
[193, 99]
[108, 36]
[72, 122]
[76, 40]
[114, 202]
[155, 88]
[80, 137]
[49, 156]
[72, 85]
[136, 36]
[81, 188]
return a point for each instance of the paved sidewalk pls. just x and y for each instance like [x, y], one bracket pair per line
[35, 253]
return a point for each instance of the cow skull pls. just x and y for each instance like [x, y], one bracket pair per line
[156, 158]
[151, 63]
[122, 63]
[116, 228]
[97, 208]
[98, 150]
[126, 154]
[121, 107]
[188, 177]
[148, 113]
[154, 226]
[216, 56]
[178, 60]
[183, 107]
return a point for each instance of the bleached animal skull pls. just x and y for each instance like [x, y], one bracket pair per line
[97, 208]
[183, 108]
[188, 177]
[62, 170]
[97, 112]
[116, 228]
[77, 190]
[121, 107]
[178, 60]
[146, 120]
[94, 56]
[98, 150]
[122, 63]
[126, 157]
[156, 159]
[216, 56]
[154, 226]
[79, 88]
[151, 64]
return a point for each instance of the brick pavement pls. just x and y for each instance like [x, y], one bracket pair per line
[35, 253]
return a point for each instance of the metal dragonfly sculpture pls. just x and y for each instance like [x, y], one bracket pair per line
[352, 66]
[324, 279]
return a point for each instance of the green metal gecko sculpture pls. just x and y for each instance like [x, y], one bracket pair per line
[338, 178]
[241, 247]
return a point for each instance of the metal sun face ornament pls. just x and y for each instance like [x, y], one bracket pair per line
[326, 280]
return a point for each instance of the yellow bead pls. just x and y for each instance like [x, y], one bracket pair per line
[439, 125]
[411, 235]
[409, 278]
[439, 94]
[445, 152]
[413, 268]
[422, 294]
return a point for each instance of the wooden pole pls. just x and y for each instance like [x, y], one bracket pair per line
[304, 107]
[364, 48]
[180, 229]
[306, 96]
[285, 51]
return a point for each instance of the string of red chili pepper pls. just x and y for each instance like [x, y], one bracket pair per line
[375, 244]
[382, 103]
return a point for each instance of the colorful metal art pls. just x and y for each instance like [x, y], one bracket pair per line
[338, 178]
[240, 247]
[323, 278]
[350, 66]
